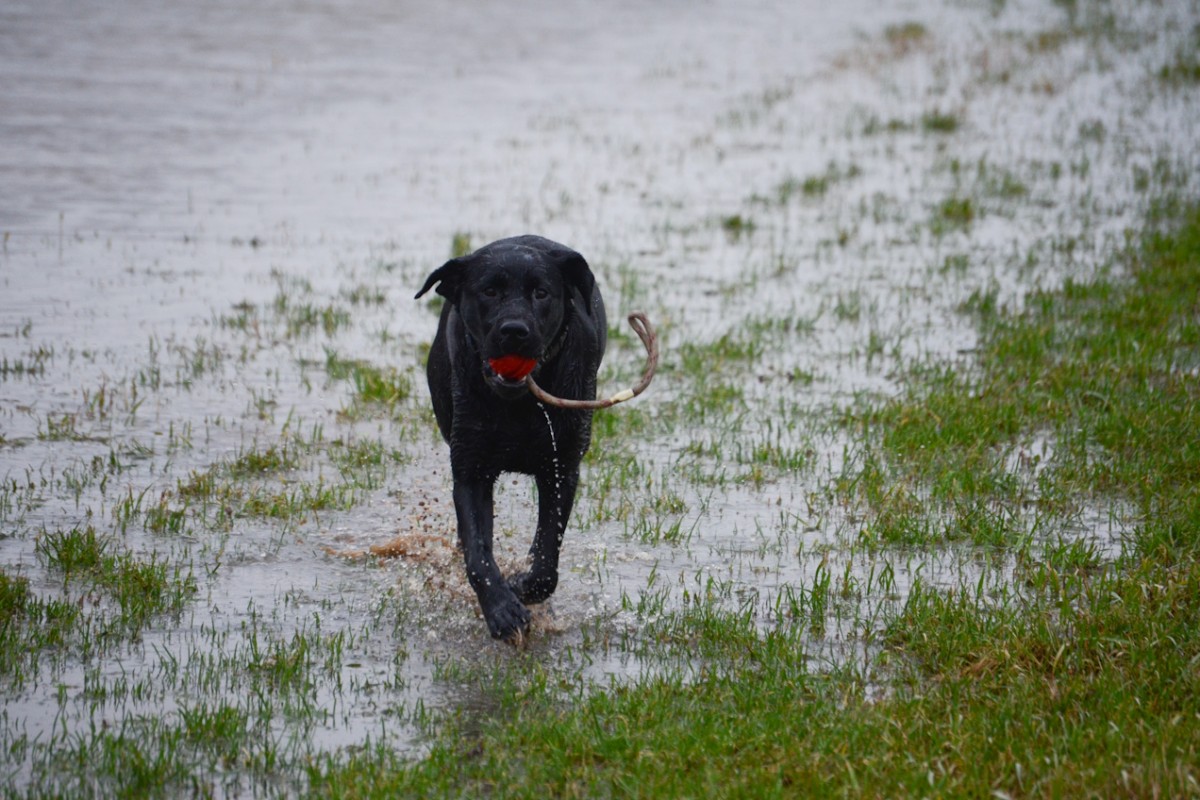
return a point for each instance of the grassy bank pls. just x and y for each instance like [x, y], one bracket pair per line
[1082, 679]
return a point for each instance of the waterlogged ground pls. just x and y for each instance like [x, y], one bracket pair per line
[226, 540]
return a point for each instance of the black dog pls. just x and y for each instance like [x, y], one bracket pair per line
[516, 305]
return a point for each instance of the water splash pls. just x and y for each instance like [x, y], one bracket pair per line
[554, 458]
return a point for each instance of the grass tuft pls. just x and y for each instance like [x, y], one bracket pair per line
[939, 122]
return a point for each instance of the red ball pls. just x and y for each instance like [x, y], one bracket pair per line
[512, 368]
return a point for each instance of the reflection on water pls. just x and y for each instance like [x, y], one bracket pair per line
[213, 214]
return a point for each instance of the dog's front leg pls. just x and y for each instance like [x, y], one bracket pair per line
[556, 497]
[502, 610]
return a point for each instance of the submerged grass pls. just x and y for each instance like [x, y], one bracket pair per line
[108, 597]
[374, 387]
[1081, 680]
[947, 548]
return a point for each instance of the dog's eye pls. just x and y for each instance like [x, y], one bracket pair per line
[491, 292]
[540, 294]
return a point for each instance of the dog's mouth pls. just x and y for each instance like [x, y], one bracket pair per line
[507, 373]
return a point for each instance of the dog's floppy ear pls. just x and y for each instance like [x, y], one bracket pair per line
[577, 273]
[448, 277]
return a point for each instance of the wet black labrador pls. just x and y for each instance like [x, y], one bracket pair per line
[519, 305]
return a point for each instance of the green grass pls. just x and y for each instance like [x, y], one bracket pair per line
[1081, 680]
[108, 597]
[460, 244]
[1181, 72]
[62, 428]
[1184, 68]
[953, 214]
[939, 122]
[34, 364]
[298, 502]
[254, 462]
[364, 463]
[817, 185]
[384, 387]
[365, 295]
[141, 587]
[274, 482]
[904, 35]
[374, 387]
[31, 625]
[735, 226]
[813, 560]
[874, 126]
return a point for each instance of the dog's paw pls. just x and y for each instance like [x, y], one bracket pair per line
[530, 588]
[507, 619]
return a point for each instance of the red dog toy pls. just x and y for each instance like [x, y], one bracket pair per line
[512, 368]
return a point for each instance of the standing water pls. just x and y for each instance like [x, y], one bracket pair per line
[224, 516]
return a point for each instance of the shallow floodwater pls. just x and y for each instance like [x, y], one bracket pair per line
[206, 209]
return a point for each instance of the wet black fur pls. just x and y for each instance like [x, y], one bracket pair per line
[532, 297]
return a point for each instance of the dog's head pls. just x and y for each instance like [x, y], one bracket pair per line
[515, 298]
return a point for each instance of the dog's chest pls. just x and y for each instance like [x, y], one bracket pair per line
[523, 440]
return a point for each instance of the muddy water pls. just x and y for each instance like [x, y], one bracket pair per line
[164, 169]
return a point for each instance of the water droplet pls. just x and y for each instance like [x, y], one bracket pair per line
[554, 448]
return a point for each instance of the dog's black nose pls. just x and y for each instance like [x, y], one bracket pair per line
[514, 329]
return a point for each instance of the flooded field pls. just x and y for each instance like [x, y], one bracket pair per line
[219, 472]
